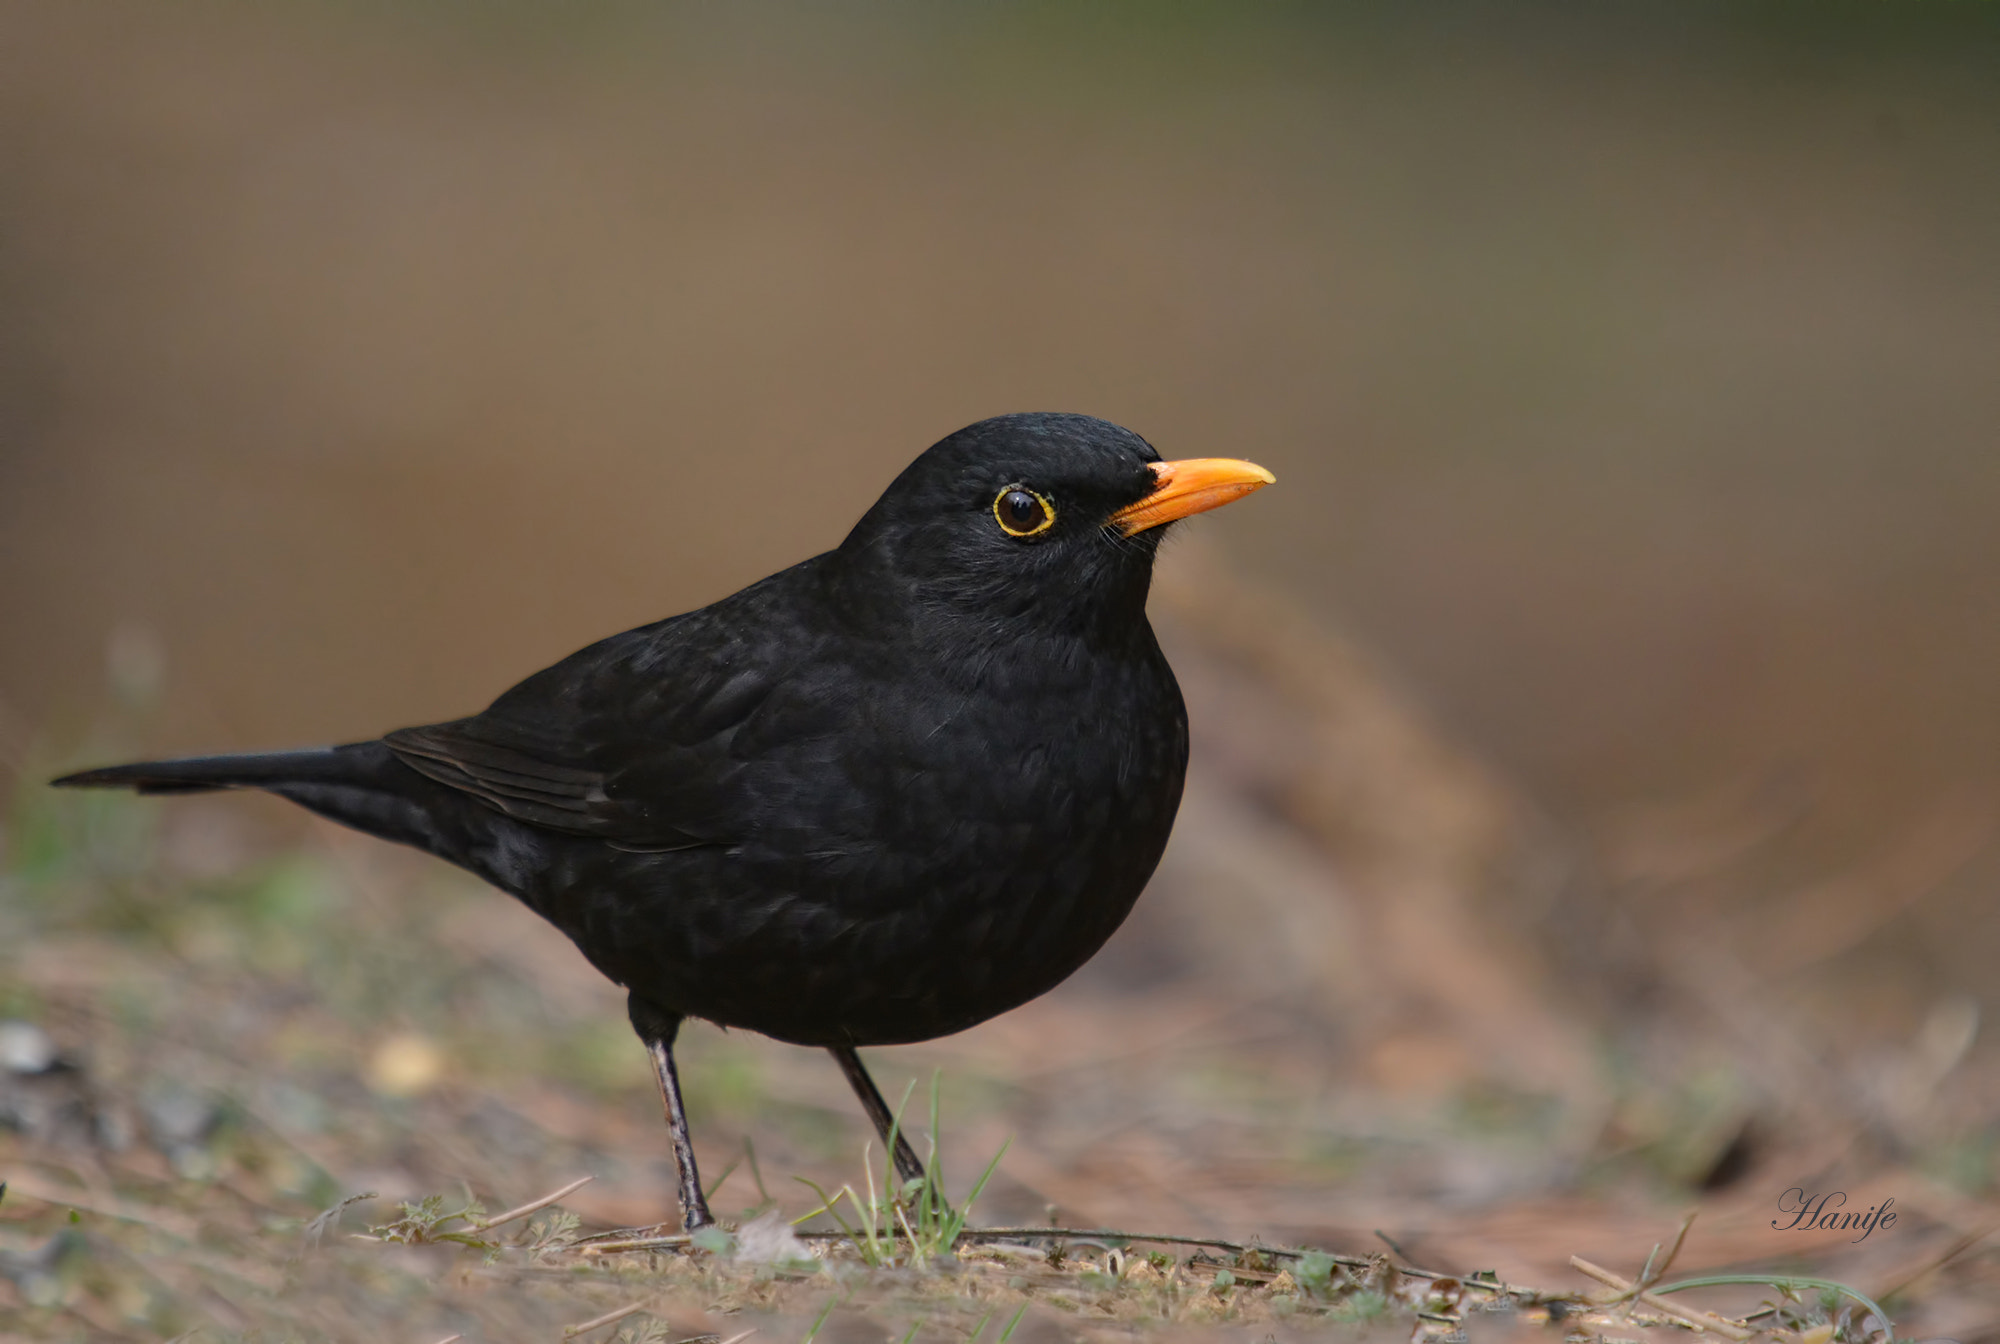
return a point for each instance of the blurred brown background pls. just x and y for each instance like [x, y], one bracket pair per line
[1622, 632]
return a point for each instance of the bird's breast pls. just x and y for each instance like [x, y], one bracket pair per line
[931, 858]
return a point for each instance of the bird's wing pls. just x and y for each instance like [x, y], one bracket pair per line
[463, 755]
[627, 740]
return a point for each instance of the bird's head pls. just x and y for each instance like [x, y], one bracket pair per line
[1046, 517]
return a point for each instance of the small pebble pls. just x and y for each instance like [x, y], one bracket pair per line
[25, 1048]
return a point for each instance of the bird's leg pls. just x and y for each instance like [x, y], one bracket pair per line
[907, 1167]
[694, 1205]
[658, 1029]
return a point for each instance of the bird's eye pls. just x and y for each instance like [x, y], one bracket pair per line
[1023, 513]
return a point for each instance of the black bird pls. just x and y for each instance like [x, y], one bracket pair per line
[878, 797]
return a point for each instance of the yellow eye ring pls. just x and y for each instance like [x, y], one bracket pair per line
[1023, 513]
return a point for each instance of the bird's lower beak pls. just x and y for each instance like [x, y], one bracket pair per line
[1195, 485]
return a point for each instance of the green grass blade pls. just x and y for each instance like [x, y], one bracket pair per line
[825, 1205]
[750, 1153]
[932, 1211]
[874, 1210]
[956, 1223]
[825, 1312]
[727, 1172]
[987, 1175]
[1008, 1333]
[876, 1252]
[866, 1248]
[1781, 1282]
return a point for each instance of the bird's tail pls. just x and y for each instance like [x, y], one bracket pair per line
[202, 774]
[361, 784]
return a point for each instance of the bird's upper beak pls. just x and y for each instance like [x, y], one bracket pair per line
[1191, 486]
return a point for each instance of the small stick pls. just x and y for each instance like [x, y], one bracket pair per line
[1406, 1267]
[451, 1339]
[636, 1244]
[613, 1241]
[1700, 1320]
[1654, 1272]
[1101, 1234]
[1673, 1251]
[534, 1205]
[1630, 1298]
[1958, 1248]
[104, 1205]
[572, 1331]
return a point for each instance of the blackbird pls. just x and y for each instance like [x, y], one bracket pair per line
[878, 797]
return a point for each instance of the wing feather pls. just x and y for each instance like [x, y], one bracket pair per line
[560, 797]
[627, 740]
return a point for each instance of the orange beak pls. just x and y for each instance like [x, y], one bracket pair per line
[1192, 486]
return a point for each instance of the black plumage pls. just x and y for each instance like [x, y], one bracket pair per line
[878, 797]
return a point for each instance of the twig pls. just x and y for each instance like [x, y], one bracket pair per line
[607, 1242]
[1958, 1248]
[1673, 1252]
[315, 1231]
[635, 1244]
[1239, 1247]
[105, 1204]
[1700, 1320]
[1406, 1267]
[1656, 1269]
[533, 1206]
[1105, 1234]
[572, 1331]
[451, 1339]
